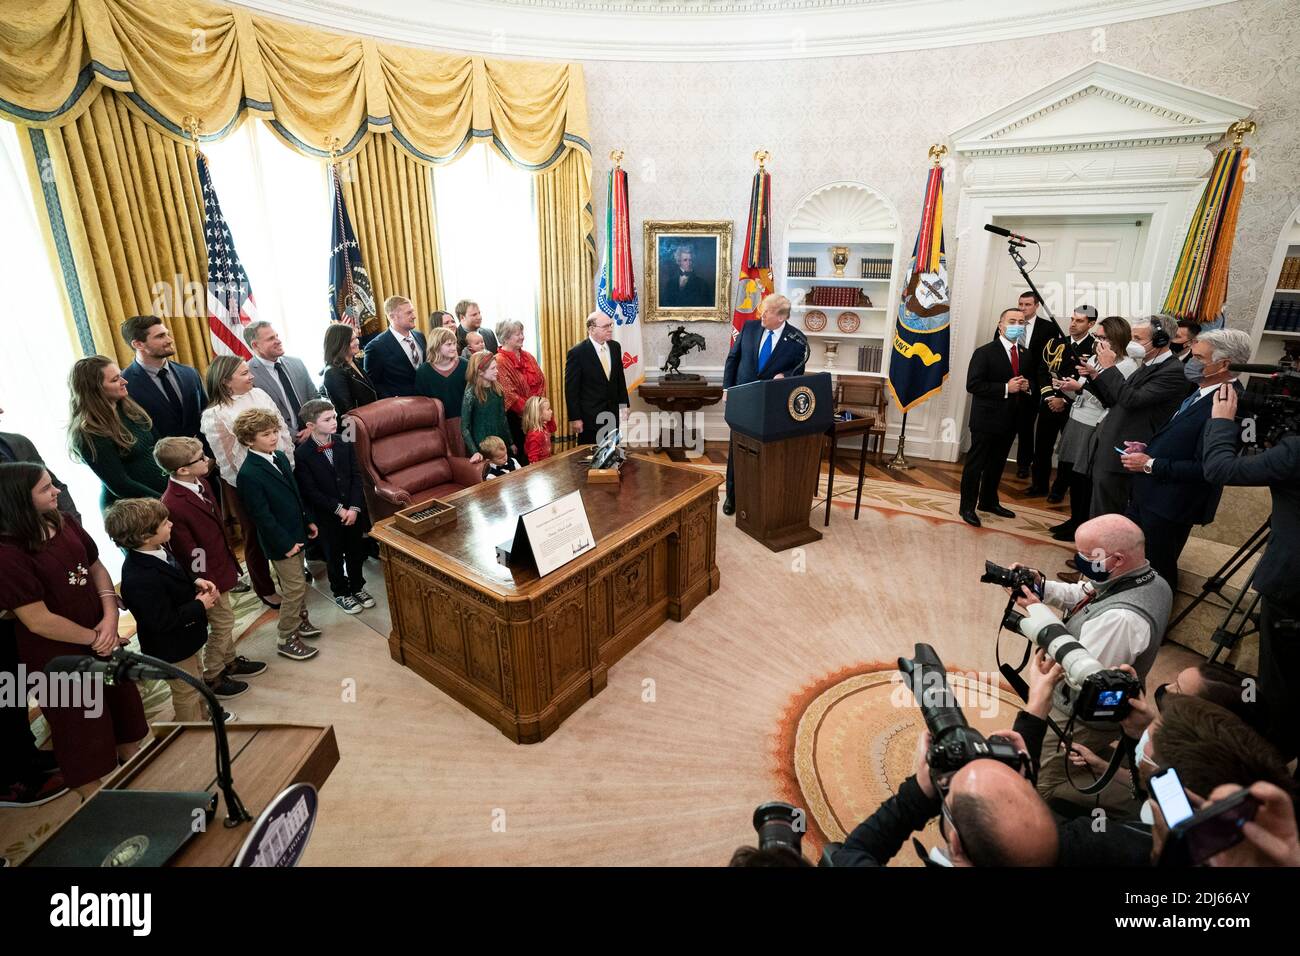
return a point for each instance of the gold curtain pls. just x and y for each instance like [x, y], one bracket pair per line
[568, 263]
[133, 212]
[389, 197]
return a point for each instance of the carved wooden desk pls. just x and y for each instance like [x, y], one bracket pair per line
[523, 652]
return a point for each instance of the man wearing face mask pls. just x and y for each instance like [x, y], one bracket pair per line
[1137, 405]
[998, 382]
[1119, 614]
[1181, 346]
[1169, 490]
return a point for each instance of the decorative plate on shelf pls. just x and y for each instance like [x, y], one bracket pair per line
[814, 321]
[848, 322]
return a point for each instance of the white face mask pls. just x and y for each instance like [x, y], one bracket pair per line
[1146, 814]
[1140, 750]
[938, 856]
[1136, 351]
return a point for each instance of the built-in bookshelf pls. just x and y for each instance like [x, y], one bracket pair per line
[1281, 311]
[847, 317]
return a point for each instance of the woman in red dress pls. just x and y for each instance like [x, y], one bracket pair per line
[53, 582]
[521, 378]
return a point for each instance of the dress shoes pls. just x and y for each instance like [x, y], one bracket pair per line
[1063, 533]
[1069, 563]
[1055, 498]
[998, 510]
[1035, 491]
[728, 507]
[1069, 577]
[1022, 472]
[971, 518]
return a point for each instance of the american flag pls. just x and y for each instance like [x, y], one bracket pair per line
[230, 297]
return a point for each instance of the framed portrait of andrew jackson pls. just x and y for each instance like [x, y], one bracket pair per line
[688, 270]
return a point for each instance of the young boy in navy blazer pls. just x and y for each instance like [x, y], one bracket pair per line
[267, 487]
[330, 481]
[199, 544]
[170, 605]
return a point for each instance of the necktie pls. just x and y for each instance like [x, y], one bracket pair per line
[171, 560]
[604, 359]
[1015, 360]
[1188, 402]
[289, 394]
[765, 352]
[415, 353]
[169, 389]
[282, 465]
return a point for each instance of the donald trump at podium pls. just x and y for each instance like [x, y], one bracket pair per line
[767, 348]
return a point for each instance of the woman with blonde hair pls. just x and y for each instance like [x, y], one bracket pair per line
[483, 409]
[231, 392]
[443, 377]
[521, 379]
[111, 433]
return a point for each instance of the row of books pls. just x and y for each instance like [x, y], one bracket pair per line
[801, 267]
[877, 268]
[1283, 316]
[870, 357]
[838, 296]
[1290, 275]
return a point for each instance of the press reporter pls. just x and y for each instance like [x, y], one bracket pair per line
[1278, 571]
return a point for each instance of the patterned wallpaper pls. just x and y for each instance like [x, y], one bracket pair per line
[690, 129]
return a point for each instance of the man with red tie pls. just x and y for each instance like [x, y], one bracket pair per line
[999, 387]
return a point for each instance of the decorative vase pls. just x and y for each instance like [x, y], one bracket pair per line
[832, 349]
[839, 259]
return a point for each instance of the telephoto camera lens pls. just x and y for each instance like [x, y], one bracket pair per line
[776, 826]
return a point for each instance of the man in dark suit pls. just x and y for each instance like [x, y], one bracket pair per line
[15, 447]
[998, 381]
[1181, 346]
[170, 392]
[470, 319]
[767, 348]
[1058, 359]
[1039, 332]
[594, 384]
[283, 377]
[1169, 490]
[1137, 405]
[393, 356]
[681, 286]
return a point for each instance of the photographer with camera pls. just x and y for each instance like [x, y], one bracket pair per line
[1116, 617]
[989, 813]
[1278, 571]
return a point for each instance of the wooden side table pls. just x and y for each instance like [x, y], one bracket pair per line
[838, 430]
[679, 399]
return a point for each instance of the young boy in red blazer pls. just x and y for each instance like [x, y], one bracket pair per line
[199, 542]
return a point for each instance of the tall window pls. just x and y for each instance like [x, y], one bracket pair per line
[38, 348]
[277, 204]
[487, 239]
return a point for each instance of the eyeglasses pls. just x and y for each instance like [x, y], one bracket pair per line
[196, 460]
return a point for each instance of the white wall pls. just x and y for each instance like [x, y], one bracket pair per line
[689, 129]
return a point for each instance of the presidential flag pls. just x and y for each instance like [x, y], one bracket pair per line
[351, 300]
[616, 286]
[755, 279]
[918, 364]
[230, 297]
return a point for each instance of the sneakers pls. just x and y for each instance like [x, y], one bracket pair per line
[228, 716]
[226, 687]
[33, 794]
[366, 600]
[241, 587]
[242, 667]
[296, 650]
[348, 604]
[307, 629]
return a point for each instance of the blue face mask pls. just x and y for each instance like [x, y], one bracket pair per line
[1014, 332]
[1095, 571]
[1194, 370]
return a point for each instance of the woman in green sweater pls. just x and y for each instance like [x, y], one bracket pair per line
[442, 377]
[483, 410]
[111, 433]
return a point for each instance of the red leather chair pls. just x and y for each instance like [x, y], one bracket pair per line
[404, 448]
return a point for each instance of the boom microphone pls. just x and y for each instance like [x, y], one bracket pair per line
[115, 671]
[999, 231]
[1256, 369]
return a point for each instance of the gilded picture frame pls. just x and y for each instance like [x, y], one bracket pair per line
[687, 270]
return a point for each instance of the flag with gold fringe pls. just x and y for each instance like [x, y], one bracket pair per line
[616, 285]
[1200, 282]
[918, 364]
[755, 280]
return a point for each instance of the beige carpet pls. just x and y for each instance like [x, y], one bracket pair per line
[694, 729]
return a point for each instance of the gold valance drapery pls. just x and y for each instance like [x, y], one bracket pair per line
[174, 58]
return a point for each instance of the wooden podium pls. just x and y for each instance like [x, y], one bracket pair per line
[776, 442]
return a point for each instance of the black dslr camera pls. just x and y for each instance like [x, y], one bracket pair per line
[1013, 578]
[953, 742]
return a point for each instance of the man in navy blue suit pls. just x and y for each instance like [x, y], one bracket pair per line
[767, 348]
[170, 392]
[1169, 492]
[393, 356]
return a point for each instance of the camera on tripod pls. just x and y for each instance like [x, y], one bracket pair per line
[953, 742]
[1273, 401]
